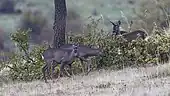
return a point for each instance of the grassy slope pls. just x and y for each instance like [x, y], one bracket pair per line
[150, 81]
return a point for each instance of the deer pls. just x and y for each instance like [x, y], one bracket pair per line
[128, 36]
[84, 52]
[134, 35]
[55, 56]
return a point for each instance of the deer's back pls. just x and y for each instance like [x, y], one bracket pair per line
[48, 54]
[82, 49]
[55, 54]
[123, 32]
[133, 35]
[59, 54]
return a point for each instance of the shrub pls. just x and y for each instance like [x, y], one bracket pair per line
[120, 54]
[24, 65]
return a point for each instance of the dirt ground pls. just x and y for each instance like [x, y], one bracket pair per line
[150, 81]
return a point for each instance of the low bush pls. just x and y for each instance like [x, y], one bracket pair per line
[120, 54]
[23, 64]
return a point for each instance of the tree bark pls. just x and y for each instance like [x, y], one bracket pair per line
[59, 23]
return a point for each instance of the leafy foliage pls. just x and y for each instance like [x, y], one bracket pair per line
[120, 54]
[25, 66]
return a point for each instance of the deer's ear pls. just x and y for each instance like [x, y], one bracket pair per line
[49, 46]
[131, 22]
[119, 22]
[112, 23]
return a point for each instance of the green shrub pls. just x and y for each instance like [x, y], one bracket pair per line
[120, 54]
[25, 65]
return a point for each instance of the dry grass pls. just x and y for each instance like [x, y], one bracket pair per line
[150, 81]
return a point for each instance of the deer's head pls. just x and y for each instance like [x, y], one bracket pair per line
[116, 29]
[75, 49]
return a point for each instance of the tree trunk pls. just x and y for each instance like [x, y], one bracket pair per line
[59, 23]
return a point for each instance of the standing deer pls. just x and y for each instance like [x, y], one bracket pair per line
[55, 56]
[129, 36]
[84, 52]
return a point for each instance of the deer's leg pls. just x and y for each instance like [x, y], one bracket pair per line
[49, 69]
[43, 71]
[88, 66]
[54, 64]
[82, 66]
[70, 65]
[67, 73]
[45, 68]
[81, 60]
[61, 69]
[88, 61]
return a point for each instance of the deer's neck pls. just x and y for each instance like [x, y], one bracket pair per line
[71, 55]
